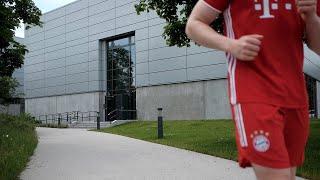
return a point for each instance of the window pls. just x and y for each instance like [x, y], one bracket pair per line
[121, 66]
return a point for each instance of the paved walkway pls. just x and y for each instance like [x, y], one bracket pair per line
[73, 154]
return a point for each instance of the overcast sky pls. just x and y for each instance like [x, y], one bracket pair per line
[45, 6]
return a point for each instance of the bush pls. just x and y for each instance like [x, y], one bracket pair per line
[18, 140]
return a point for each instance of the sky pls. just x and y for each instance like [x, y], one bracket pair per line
[45, 6]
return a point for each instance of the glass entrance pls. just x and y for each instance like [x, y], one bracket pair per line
[121, 90]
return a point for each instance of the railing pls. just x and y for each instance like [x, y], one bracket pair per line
[90, 116]
[113, 115]
[118, 114]
[68, 117]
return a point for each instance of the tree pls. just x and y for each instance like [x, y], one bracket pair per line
[176, 13]
[8, 86]
[12, 13]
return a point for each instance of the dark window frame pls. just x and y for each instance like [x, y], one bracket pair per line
[131, 66]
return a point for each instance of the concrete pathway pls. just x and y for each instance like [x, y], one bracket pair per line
[77, 154]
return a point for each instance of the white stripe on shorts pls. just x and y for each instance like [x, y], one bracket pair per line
[240, 125]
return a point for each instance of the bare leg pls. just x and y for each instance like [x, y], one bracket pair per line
[293, 171]
[265, 173]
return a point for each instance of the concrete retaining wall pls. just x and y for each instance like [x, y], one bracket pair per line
[60, 104]
[195, 100]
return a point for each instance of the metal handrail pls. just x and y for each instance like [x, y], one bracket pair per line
[114, 116]
[68, 117]
[113, 111]
[111, 117]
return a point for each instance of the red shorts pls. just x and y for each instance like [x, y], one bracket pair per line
[270, 136]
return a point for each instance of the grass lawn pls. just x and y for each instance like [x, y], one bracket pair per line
[212, 137]
[18, 140]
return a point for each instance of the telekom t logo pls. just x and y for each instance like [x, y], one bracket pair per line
[267, 5]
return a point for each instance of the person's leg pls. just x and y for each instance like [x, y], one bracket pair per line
[293, 171]
[296, 142]
[266, 173]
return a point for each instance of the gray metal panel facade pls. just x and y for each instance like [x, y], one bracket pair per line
[64, 54]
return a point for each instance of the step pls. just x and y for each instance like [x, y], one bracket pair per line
[93, 125]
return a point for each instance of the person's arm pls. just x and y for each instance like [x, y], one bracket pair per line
[308, 11]
[198, 29]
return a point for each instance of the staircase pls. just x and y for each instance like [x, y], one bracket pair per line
[93, 125]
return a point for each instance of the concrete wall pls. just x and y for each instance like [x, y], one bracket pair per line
[60, 104]
[195, 100]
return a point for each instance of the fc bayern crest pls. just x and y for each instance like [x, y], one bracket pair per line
[260, 141]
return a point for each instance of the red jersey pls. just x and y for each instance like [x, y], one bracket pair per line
[276, 75]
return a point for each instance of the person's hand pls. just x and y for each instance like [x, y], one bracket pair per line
[307, 9]
[246, 48]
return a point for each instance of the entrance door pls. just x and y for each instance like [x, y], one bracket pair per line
[121, 94]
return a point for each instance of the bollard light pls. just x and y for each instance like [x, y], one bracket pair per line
[160, 123]
[159, 112]
[98, 121]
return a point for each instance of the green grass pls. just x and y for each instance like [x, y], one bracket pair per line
[311, 167]
[212, 137]
[18, 140]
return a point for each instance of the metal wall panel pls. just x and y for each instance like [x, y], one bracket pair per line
[77, 87]
[101, 7]
[206, 59]
[79, 24]
[77, 78]
[56, 81]
[68, 48]
[142, 68]
[77, 68]
[167, 64]
[207, 72]
[167, 77]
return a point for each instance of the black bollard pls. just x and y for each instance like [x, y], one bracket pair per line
[160, 124]
[98, 121]
[59, 120]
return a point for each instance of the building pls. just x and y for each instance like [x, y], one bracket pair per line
[101, 56]
[17, 104]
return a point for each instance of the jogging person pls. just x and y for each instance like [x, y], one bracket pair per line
[266, 85]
